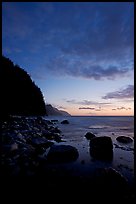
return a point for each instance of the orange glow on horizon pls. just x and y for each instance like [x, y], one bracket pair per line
[76, 112]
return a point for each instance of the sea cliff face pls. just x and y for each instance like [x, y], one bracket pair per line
[55, 112]
[20, 95]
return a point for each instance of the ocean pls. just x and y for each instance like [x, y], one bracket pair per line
[112, 126]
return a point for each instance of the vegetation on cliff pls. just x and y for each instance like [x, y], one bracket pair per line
[20, 95]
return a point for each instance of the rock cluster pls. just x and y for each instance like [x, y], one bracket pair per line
[25, 143]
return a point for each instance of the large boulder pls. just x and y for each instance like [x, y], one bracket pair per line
[108, 180]
[124, 139]
[41, 142]
[62, 153]
[101, 148]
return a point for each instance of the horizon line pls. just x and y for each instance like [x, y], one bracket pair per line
[104, 115]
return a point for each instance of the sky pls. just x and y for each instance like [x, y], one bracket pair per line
[80, 54]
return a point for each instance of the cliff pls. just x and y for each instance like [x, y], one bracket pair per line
[54, 111]
[20, 95]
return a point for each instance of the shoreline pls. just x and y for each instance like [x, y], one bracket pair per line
[24, 155]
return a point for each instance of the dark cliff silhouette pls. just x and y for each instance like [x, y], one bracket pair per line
[55, 112]
[19, 94]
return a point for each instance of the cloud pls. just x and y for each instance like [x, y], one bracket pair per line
[121, 108]
[86, 39]
[89, 108]
[60, 107]
[71, 66]
[127, 92]
[71, 101]
[87, 102]
[103, 47]
[86, 108]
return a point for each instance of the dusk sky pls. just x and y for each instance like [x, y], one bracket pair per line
[80, 54]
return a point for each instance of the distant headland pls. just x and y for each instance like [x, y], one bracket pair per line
[50, 110]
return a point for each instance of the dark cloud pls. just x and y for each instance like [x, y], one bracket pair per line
[79, 68]
[121, 108]
[127, 92]
[89, 108]
[86, 102]
[104, 42]
[86, 108]
[73, 101]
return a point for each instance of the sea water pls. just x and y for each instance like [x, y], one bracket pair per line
[112, 126]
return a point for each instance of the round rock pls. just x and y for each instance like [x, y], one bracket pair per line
[62, 153]
[124, 139]
[89, 135]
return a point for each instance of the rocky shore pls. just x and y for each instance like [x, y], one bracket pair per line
[25, 141]
[32, 148]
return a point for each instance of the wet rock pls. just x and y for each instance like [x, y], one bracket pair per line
[65, 122]
[101, 148]
[9, 148]
[24, 139]
[21, 137]
[54, 135]
[62, 153]
[48, 122]
[124, 139]
[57, 130]
[108, 180]
[57, 137]
[89, 135]
[54, 121]
[49, 136]
[14, 147]
[41, 142]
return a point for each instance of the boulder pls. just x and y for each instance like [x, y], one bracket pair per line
[62, 153]
[54, 121]
[89, 135]
[101, 148]
[124, 139]
[41, 142]
[65, 122]
[108, 180]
